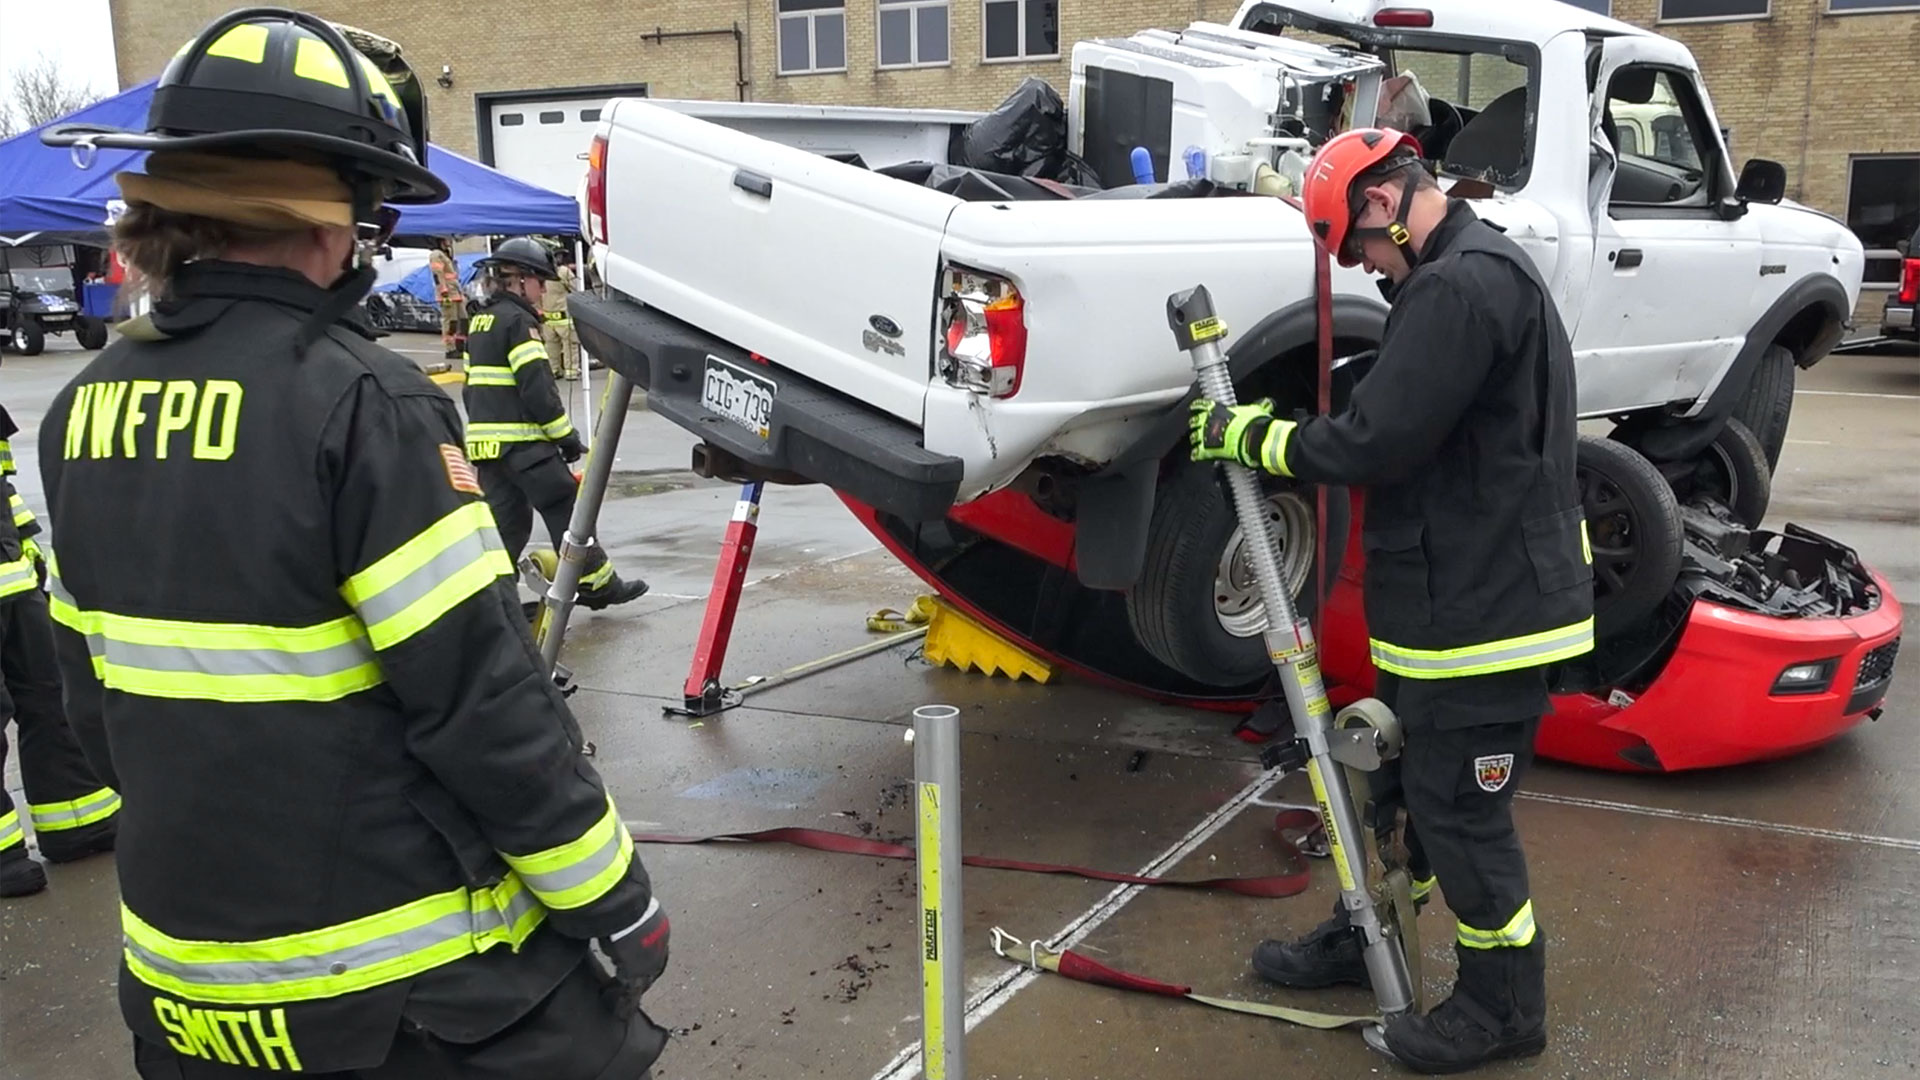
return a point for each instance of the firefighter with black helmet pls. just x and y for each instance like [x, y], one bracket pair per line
[72, 814]
[355, 837]
[518, 430]
[1478, 572]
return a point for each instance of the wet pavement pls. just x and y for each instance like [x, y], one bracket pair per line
[1750, 922]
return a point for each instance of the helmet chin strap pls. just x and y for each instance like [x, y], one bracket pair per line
[357, 273]
[1397, 230]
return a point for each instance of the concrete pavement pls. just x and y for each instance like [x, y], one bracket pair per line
[1747, 923]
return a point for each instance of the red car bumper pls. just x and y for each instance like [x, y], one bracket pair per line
[1712, 704]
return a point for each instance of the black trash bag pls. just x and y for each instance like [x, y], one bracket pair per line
[1200, 188]
[978, 185]
[1026, 136]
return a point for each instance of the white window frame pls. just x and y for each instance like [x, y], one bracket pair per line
[1847, 202]
[1885, 7]
[813, 40]
[1024, 57]
[914, 9]
[1660, 11]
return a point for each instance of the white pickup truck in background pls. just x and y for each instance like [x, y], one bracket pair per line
[813, 318]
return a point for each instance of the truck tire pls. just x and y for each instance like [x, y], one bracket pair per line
[1732, 469]
[90, 332]
[1768, 402]
[28, 337]
[1194, 606]
[1633, 527]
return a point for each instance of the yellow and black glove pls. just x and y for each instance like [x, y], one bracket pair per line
[1229, 432]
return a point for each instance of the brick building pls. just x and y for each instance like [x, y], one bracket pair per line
[1826, 87]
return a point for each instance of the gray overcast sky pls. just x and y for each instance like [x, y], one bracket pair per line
[77, 33]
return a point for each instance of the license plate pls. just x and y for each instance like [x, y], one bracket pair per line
[739, 395]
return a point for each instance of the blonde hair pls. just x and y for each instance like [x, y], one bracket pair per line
[155, 243]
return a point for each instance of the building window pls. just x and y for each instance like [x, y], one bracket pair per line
[1883, 209]
[512, 119]
[1021, 29]
[589, 115]
[813, 36]
[1681, 10]
[553, 117]
[1849, 7]
[1598, 7]
[913, 33]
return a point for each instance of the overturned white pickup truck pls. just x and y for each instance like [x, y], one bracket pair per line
[789, 285]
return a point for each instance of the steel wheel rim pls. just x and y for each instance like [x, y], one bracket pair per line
[1611, 533]
[1236, 596]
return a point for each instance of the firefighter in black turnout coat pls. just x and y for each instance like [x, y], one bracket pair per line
[518, 430]
[1478, 573]
[355, 839]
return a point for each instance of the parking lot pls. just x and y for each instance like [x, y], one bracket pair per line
[1751, 922]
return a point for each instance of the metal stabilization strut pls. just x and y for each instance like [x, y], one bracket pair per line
[1329, 751]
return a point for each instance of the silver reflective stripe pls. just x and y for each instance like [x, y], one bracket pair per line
[1541, 648]
[319, 663]
[491, 920]
[401, 595]
[558, 881]
[10, 833]
[59, 819]
[448, 927]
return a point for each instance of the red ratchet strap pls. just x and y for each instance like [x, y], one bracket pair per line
[1323, 300]
[1289, 825]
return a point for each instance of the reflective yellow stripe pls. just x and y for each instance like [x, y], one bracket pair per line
[583, 869]
[22, 517]
[6, 458]
[558, 429]
[1273, 449]
[409, 588]
[315, 59]
[490, 376]
[1423, 886]
[598, 577]
[366, 952]
[75, 813]
[1507, 654]
[236, 662]
[555, 316]
[1517, 934]
[526, 353]
[10, 832]
[377, 80]
[504, 432]
[246, 42]
[18, 576]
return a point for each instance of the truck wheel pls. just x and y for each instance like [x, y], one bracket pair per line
[90, 332]
[1768, 402]
[28, 337]
[1732, 469]
[1633, 526]
[1196, 607]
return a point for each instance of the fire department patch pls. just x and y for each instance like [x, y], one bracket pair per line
[460, 472]
[1493, 771]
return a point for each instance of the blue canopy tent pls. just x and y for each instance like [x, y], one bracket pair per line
[45, 198]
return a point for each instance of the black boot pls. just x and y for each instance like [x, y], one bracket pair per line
[1498, 1010]
[96, 839]
[1328, 956]
[615, 591]
[21, 876]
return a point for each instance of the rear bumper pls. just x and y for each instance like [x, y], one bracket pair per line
[814, 432]
[1897, 320]
[1713, 704]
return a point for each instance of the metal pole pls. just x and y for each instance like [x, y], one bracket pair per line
[586, 519]
[943, 992]
[1290, 643]
[586, 362]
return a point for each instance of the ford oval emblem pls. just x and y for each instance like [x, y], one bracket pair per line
[883, 325]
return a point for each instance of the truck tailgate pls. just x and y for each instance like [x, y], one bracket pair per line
[824, 268]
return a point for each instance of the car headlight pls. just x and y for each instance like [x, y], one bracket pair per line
[1809, 678]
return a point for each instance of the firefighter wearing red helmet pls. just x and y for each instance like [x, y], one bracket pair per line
[356, 839]
[1478, 572]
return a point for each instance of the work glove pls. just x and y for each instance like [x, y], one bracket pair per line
[1229, 432]
[639, 955]
[32, 551]
[571, 448]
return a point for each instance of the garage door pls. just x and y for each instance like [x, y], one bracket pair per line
[544, 142]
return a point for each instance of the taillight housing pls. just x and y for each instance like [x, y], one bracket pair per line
[983, 332]
[1910, 281]
[597, 188]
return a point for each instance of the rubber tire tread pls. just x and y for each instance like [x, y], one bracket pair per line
[1651, 500]
[29, 338]
[91, 333]
[1767, 404]
[1752, 477]
[1192, 511]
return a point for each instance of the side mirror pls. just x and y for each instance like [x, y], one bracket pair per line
[1762, 181]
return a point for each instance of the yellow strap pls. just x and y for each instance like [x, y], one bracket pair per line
[889, 621]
